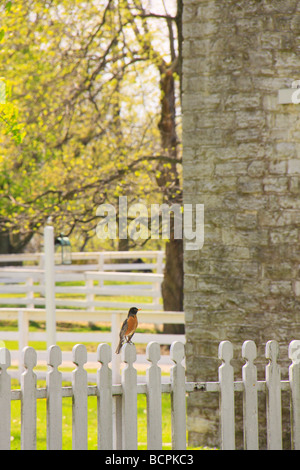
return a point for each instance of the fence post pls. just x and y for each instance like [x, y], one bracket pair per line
[178, 405]
[90, 297]
[153, 380]
[104, 401]
[101, 268]
[273, 397]
[116, 359]
[157, 285]
[5, 404]
[129, 398]
[50, 285]
[226, 379]
[54, 399]
[159, 262]
[294, 378]
[79, 408]
[250, 396]
[28, 400]
[23, 330]
[30, 293]
[41, 261]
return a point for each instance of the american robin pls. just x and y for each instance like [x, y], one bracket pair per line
[128, 328]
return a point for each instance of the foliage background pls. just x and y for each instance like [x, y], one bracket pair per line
[83, 120]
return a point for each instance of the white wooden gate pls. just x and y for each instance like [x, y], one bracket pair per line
[106, 392]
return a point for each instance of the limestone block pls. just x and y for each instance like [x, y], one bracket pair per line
[294, 166]
[272, 184]
[256, 168]
[249, 185]
[278, 167]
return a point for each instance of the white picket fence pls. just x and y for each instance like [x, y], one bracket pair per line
[105, 391]
[118, 430]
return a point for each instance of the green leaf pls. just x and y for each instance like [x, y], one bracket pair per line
[8, 6]
[1, 34]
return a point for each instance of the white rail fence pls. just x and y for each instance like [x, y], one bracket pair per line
[92, 278]
[99, 286]
[125, 423]
[94, 261]
[114, 318]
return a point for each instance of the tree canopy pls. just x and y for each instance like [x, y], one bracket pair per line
[82, 123]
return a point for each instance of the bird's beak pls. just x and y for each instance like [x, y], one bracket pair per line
[139, 309]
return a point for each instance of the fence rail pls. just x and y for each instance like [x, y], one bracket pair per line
[113, 318]
[94, 270]
[106, 391]
[97, 260]
[30, 283]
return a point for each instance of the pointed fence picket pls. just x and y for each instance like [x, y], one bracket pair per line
[226, 381]
[178, 393]
[274, 413]
[54, 399]
[106, 391]
[250, 397]
[5, 386]
[153, 381]
[129, 398]
[294, 378]
[79, 396]
[28, 400]
[105, 401]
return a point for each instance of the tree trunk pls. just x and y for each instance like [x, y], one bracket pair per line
[7, 247]
[168, 181]
[13, 243]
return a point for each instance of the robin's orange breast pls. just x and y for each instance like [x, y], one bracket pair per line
[132, 323]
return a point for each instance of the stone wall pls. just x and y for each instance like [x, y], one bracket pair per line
[241, 159]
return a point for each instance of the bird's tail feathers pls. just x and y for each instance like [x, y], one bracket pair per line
[119, 347]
